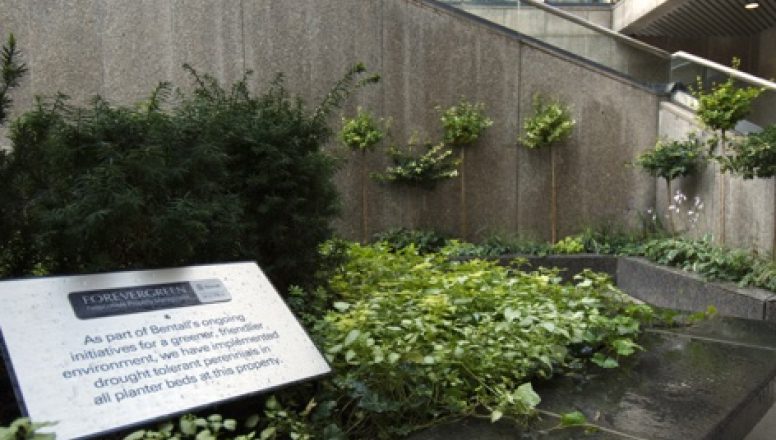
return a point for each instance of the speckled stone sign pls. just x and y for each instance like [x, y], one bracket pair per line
[97, 353]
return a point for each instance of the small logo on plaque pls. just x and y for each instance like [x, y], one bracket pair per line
[135, 299]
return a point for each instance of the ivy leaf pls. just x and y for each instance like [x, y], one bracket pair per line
[496, 415]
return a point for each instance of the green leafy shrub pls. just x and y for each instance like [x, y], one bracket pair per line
[673, 159]
[276, 422]
[214, 175]
[464, 122]
[418, 340]
[701, 256]
[753, 156]
[569, 245]
[550, 123]
[670, 160]
[25, 429]
[725, 104]
[436, 163]
[361, 132]
[609, 241]
[423, 241]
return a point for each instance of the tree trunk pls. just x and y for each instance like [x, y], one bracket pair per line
[722, 190]
[671, 227]
[364, 200]
[464, 219]
[553, 199]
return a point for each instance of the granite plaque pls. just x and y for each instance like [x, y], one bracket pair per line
[129, 347]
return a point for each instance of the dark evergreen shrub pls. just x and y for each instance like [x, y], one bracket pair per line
[214, 175]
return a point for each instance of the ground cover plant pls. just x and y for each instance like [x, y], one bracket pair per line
[218, 174]
[419, 339]
[702, 256]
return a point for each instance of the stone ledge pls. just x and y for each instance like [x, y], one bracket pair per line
[681, 290]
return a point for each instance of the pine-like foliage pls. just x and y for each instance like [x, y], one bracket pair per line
[12, 71]
[214, 175]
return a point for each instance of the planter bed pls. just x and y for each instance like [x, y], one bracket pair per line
[664, 286]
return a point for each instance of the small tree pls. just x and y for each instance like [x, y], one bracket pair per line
[362, 133]
[463, 124]
[550, 124]
[670, 160]
[720, 109]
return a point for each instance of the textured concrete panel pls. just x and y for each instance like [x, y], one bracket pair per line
[453, 58]
[595, 182]
[65, 52]
[750, 213]
[209, 36]
[136, 48]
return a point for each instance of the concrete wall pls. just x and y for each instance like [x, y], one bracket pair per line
[577, 39]
[749, 205]
[427, 56]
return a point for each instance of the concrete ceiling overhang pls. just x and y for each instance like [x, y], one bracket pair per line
[694, 18]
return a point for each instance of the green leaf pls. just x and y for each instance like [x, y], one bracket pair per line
[575, 418]
[341, 306]
[496, 415]
[526, 394]
[351, 337]
[268, 433]
[604, 361]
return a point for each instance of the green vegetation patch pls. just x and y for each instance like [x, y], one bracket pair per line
[419, 339]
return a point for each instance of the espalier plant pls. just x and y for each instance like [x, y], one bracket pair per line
[362, 133]
[424, 170]
[673, 159]
[463, 123]
[418, 340]
[550, 124]
[754, 156]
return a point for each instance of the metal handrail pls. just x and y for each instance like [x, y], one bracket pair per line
[598, 28]
[737, 74]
